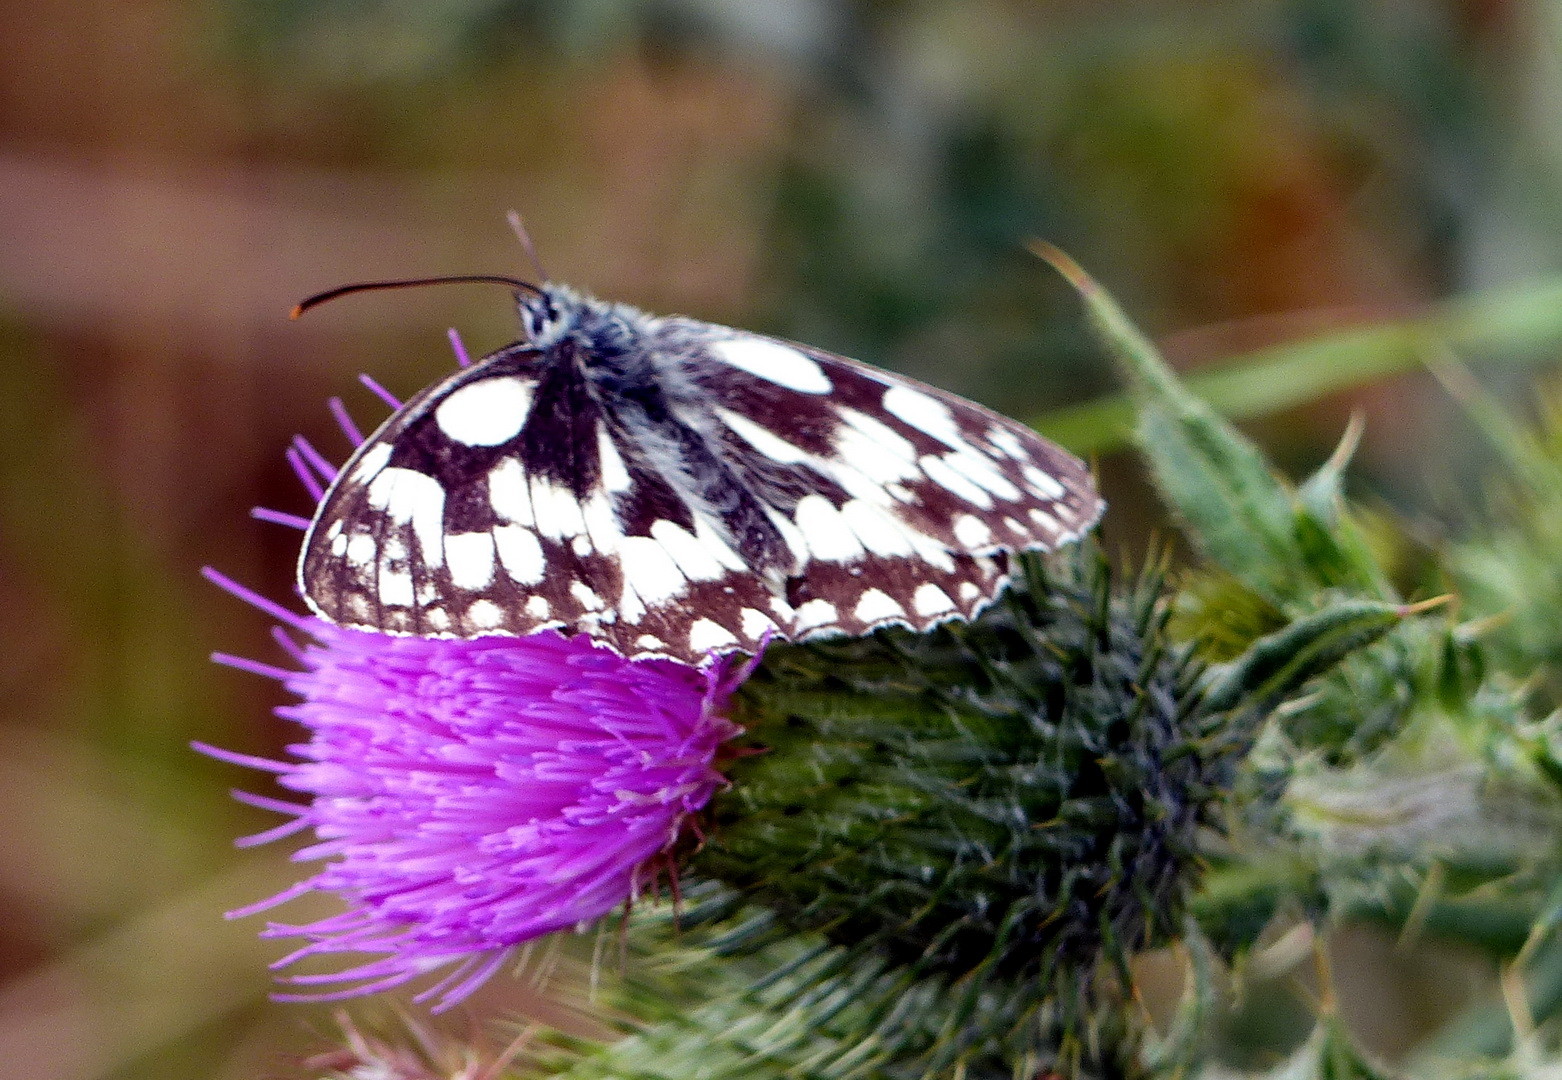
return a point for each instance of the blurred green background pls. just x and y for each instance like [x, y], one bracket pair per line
[1257, 180]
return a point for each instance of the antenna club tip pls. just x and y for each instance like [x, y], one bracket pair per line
[296, 312]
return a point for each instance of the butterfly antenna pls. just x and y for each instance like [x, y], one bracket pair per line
[370, 286]
[525, 238]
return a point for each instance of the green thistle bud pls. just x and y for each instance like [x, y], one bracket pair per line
[1014, 795]
[1007, 809]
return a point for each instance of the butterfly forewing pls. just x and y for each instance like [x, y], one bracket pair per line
[921, 494]
[675, 488]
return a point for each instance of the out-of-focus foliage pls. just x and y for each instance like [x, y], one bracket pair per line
[922, 141]
[1509, 570]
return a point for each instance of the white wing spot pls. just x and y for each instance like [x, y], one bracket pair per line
[982, 472]
[930, 600]
[927, 414]
[706, 635]
[559, 514]
[649, 571]
[437, 618]
[602, 525]
[470, 558]
[484, 614]
[945, 477]
[538, 607]
[773, 362]
[586, 596]
[969, 591]
[374, 459]
[972, 531]
[1045, 520]
[876, 605]
[485, 412]
[874, 449]
[361, 549]
[408, 496]
[879, 530]
[829, 536]
[791, 534]
[696, 561]
[1042, 483]
[615, 477]
[507, 492]
[395, 588]
[520, 554]
[1006, 442]
[651, 641]
[816, 613]
[755, 623]
[718, 548]
[761, 438]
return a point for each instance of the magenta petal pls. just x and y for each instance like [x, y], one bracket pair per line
[468, 796]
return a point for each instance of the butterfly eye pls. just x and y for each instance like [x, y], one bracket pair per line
[538, 314]
[532, 320]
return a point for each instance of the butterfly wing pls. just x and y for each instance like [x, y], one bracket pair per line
[915, 498]
[507, 499]
[688, 495]
[435, 527]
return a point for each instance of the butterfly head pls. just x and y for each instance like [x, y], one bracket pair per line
[547, 315]
[555, 313]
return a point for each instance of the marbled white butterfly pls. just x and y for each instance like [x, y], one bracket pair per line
[674, 488]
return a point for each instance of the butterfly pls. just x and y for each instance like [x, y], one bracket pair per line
[678, 489]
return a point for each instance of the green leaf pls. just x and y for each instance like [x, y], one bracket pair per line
[1279, 663]
[1234, 506]
[1333, 547]
[1523, 325]
[1323, 493]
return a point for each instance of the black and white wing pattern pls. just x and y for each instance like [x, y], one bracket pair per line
[679, 489]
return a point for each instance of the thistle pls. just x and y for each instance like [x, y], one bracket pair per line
[952, 844]
[469, 796]
[930, 854]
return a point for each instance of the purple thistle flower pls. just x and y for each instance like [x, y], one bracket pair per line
[469, 796]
